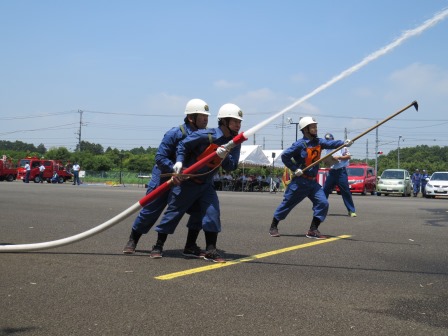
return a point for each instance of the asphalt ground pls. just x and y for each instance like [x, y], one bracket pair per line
[384, 273]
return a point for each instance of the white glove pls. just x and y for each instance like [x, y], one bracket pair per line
[177, 167]
[348, 143]
[298, 172]
[222, 152]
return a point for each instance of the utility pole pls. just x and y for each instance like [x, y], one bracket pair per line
[283, 126]
[376, 150]
[79, 131]
[367, 150]
[294, 123]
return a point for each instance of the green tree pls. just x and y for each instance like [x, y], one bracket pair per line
[114, 156]
[93, 148]
[41, 149]
[95, 162]
[140, 163]
[60, 153]
[18, 146]
[84, 159]
[137, 151]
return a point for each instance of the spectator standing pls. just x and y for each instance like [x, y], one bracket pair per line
[337, 176]
[416, 179]
[41, 172]
[76, 168]
[28, 172]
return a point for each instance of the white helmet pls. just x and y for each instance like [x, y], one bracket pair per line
[230, 111]
[197, 106]
[305, 121]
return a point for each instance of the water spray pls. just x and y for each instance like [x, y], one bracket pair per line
[235, 141]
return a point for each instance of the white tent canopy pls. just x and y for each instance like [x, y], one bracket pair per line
[277, 160]
[252, 155]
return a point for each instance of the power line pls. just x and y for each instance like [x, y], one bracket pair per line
[50, 128]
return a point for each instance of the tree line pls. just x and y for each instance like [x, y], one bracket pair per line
[430, 158]
[89, 155]
[92, 156]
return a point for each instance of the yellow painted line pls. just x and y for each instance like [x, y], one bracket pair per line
[246, 259]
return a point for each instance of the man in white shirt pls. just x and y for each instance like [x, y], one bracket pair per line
[41, 172]
[76, 169]
[28, 172]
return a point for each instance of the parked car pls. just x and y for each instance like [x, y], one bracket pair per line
[394, 181]
[437, 185]
[361, 179]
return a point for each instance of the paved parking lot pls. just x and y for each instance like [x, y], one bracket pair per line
[383, 273]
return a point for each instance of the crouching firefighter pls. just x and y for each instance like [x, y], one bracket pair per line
[195, 117]
[199, 190]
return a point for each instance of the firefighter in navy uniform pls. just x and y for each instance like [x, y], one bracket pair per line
[301, 154]
[201, 189]
[416, 179]
[196, 117]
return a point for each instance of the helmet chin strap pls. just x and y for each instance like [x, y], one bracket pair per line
[194, 117]
[309, 133]
[233, 133]
[226, 124]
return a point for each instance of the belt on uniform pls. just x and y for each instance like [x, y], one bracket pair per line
[196, 180]
[308, 177]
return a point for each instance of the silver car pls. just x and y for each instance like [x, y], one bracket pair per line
[437, 185]
[394, 181]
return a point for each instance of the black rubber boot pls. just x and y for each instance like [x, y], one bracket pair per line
[314, 224]
[132, 243]
[192, 237]
[157, 249]
[273, 230]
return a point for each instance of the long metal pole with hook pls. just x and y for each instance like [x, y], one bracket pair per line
[414, 103]
[240, 138]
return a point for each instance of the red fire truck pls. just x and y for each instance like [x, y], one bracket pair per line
[51, 166]
[8, 172]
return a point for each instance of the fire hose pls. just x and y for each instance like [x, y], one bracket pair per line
[240, 138]
[236, 141]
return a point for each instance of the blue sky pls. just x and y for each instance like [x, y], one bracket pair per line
[131, 66]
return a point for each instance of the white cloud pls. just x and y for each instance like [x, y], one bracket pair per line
[267, 100]
[363, 92]
[263, 101]
[224, 84]
[162, 102]
[298, 78]
[418, 78]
